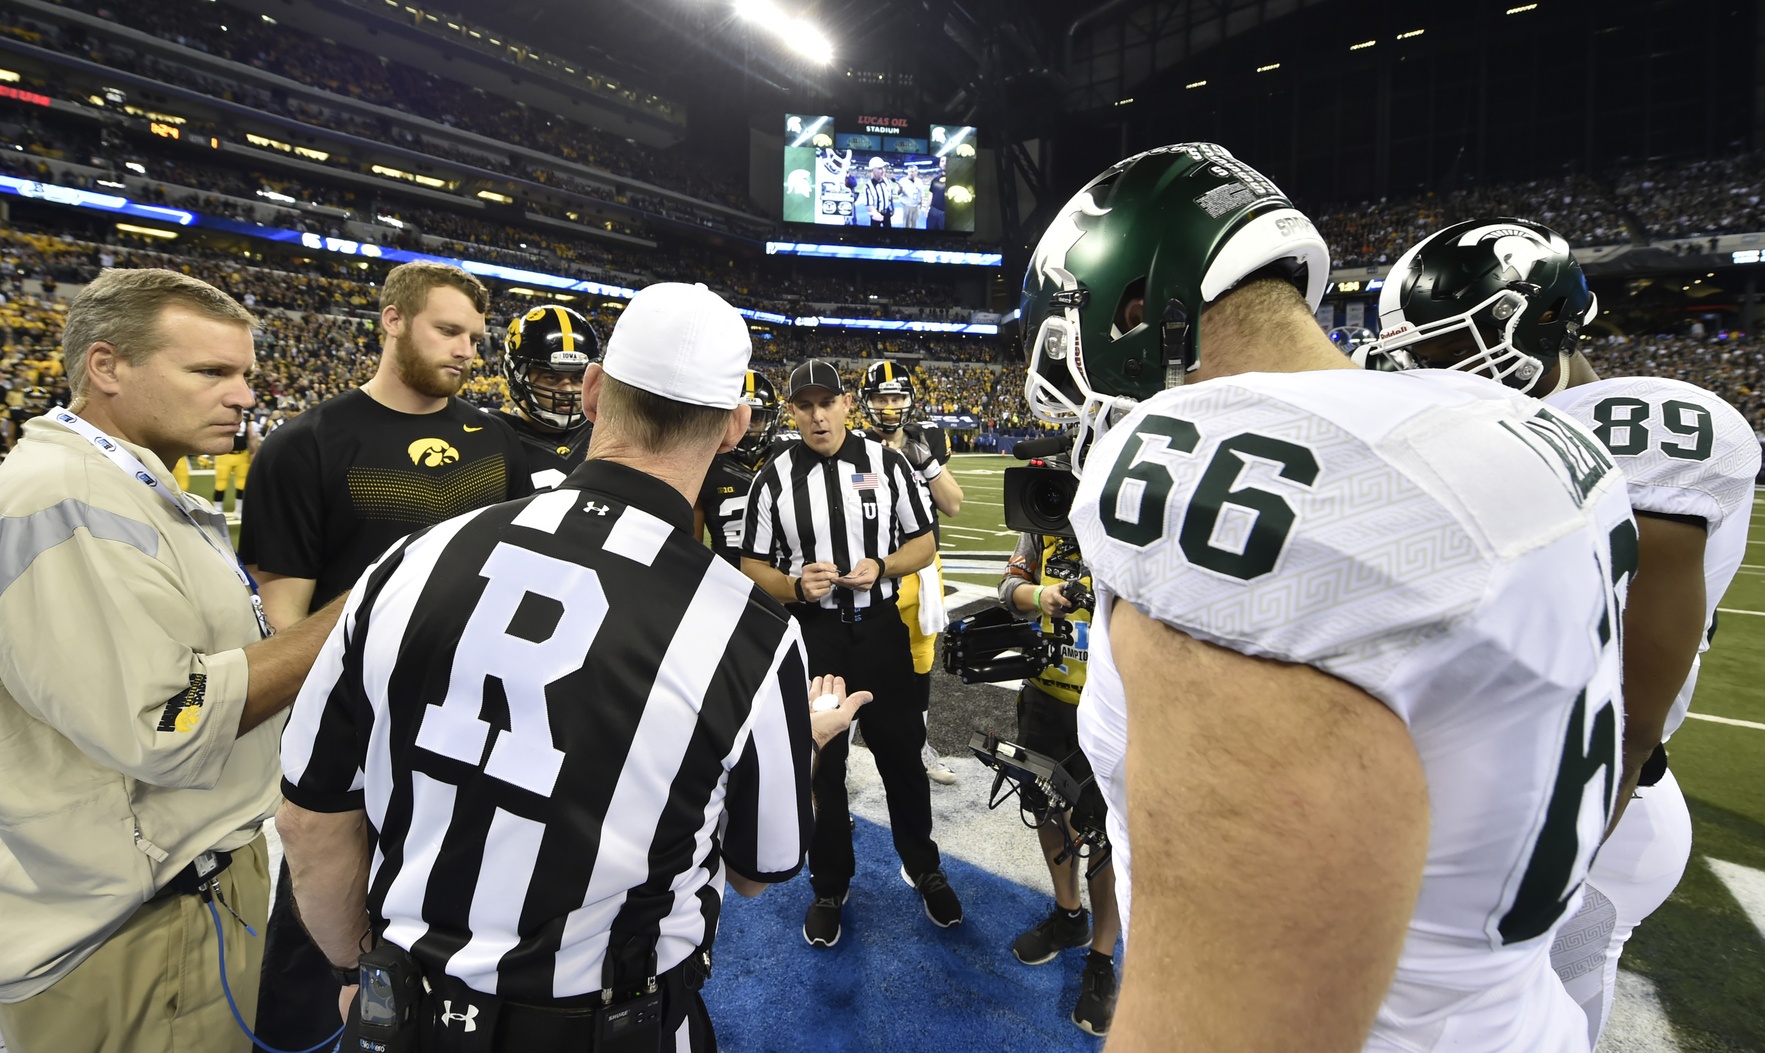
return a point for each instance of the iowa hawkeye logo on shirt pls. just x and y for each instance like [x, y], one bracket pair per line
[432, 453]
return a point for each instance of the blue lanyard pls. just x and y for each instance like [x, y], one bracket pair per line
[131, 464]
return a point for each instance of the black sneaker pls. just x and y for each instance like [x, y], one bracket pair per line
[1096, 1006]
[1056, 933]
[941, 904]
[821, 926]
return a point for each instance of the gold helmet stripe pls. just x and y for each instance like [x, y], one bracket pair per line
[564, 326]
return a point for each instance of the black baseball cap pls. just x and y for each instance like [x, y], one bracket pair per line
[815, 373]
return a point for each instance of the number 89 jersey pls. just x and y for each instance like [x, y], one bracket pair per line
[1684, 452]
[1456, 550]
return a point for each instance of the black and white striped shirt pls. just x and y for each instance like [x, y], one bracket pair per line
[864, 501]
[563, 716]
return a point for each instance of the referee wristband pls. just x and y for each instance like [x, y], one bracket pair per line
[882, 569]
[1036, 601]
[800, 597]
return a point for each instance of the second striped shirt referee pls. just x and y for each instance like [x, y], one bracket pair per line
[833, 521]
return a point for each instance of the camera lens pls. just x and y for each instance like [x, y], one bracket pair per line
[1050, 500]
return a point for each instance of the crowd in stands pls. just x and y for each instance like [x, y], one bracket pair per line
[1660, 201]
[782, 285]
[318, 337]
[348, 72]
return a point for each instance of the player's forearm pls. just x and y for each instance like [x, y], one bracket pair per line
[1663, 628]
[286, 599]
[947, 493]
[779, 585]
[278, 665]
[328, 857]
[913, 557]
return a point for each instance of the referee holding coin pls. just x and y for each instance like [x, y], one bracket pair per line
[834, 521]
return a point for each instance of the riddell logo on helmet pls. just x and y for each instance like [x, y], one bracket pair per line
[1394, 330]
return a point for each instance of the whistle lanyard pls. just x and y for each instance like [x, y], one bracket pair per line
[131, 464]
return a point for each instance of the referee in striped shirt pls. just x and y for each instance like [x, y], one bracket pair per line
[547, 731]
[833, 520]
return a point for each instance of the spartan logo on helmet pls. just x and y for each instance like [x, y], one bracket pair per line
[544, 350]
[1503, 298]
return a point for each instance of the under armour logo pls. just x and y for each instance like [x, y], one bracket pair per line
[599, 510]
[469, 1017]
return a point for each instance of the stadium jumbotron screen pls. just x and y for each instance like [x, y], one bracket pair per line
[874, 174]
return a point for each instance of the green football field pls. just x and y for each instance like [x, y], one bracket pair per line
[1697, 965]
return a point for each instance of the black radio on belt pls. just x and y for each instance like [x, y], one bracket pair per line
[392, 990]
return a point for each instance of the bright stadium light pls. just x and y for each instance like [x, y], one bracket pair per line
[1196, 84]
[762, 11]
[1522, 9]
[798, 34]
[1362, 45]
[1411, 33]
[1271, 66]
[808, 41]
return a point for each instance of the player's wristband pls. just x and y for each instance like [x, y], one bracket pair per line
[800, 597]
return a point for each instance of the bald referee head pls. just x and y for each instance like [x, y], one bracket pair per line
[614, 720]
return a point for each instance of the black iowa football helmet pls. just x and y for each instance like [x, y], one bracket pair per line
[1503, 298]
[759, 395]
[886, 378]
[553, 339]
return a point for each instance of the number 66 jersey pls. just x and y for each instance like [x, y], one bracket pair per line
[1456, 550]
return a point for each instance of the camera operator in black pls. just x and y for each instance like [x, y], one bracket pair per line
[545, 358]
[722, 507]
[1046, 578]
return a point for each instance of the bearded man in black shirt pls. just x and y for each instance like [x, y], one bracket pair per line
[339, 485]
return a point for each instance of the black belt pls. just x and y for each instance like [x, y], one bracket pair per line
[877, 609]
[199, 871]
[566, 1025]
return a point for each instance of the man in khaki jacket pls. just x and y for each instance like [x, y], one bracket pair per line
[140, 702]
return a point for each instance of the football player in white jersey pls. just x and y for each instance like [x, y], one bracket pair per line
[1689, 461]
[1354, 680]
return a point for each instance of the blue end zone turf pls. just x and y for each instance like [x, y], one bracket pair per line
[895, 981]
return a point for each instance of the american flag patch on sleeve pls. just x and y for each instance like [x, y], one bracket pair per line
[866, 480]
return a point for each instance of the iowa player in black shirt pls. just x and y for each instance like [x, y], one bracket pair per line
[333, 489]
[723, 499]
[545, 357]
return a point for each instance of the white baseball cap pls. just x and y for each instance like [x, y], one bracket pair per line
[682, 342]
[877, 162]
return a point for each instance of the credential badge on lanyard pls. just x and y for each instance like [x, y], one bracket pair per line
[131, 464]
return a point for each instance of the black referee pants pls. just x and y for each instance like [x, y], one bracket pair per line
[872, 655]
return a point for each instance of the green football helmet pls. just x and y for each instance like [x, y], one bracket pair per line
[1503, 298]
[1175, 228]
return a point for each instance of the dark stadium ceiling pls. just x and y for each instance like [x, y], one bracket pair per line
[936, 56]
